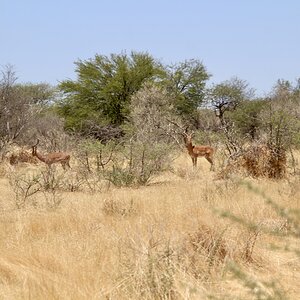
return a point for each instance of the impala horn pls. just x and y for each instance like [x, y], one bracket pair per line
[36, 143]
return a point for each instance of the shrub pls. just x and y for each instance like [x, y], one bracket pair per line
[138, 163]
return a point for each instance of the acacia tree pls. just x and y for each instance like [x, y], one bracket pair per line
[101, 93]
[186, 82]
[227, 95]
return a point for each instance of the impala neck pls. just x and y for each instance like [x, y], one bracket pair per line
[40, 156]
[188, 145]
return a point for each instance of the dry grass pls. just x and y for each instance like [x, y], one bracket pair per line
[163, 241]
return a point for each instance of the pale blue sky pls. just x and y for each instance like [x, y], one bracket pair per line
[256, 40]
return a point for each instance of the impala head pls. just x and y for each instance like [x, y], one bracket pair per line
[184, 132]
[187, 136]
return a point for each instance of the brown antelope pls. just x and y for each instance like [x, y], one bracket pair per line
[52, 158]
[196, 151]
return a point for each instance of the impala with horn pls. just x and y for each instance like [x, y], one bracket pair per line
[52, 158]
[195, 151]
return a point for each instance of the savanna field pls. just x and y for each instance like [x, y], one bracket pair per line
[186, 235]
[131, 217]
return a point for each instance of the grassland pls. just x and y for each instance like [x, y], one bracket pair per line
[168, 240]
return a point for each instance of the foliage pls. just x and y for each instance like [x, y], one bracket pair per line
[205, 120]
[138, 162]
[144, 151]
[280, 117]
[19, 105]
[247, 118]
[186, 83]
[227, 95]
[101, 94]
[151, 109]
[149, 147]
[49, 128]
[94, 155]
[281, 126]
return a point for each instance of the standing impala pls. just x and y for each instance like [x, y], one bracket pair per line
[52, 158]
[196, 151]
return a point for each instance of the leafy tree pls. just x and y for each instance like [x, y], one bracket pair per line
[101, 93]
[186, 81]
[227, 95]
[247, 117]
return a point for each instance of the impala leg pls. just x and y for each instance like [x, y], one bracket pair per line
[209, 159]
[63, 164]
[193, 160]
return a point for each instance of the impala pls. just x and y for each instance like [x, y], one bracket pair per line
[195, 151]
[198, 150]
[52, 158]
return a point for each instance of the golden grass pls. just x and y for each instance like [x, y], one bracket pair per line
[163, 241]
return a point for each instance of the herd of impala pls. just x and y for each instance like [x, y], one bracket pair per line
[194, 151]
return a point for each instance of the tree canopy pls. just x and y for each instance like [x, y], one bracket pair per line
[227, 95]
[101, 93]
[186, 81]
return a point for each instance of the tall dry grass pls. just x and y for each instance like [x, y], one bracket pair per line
[167, 240]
